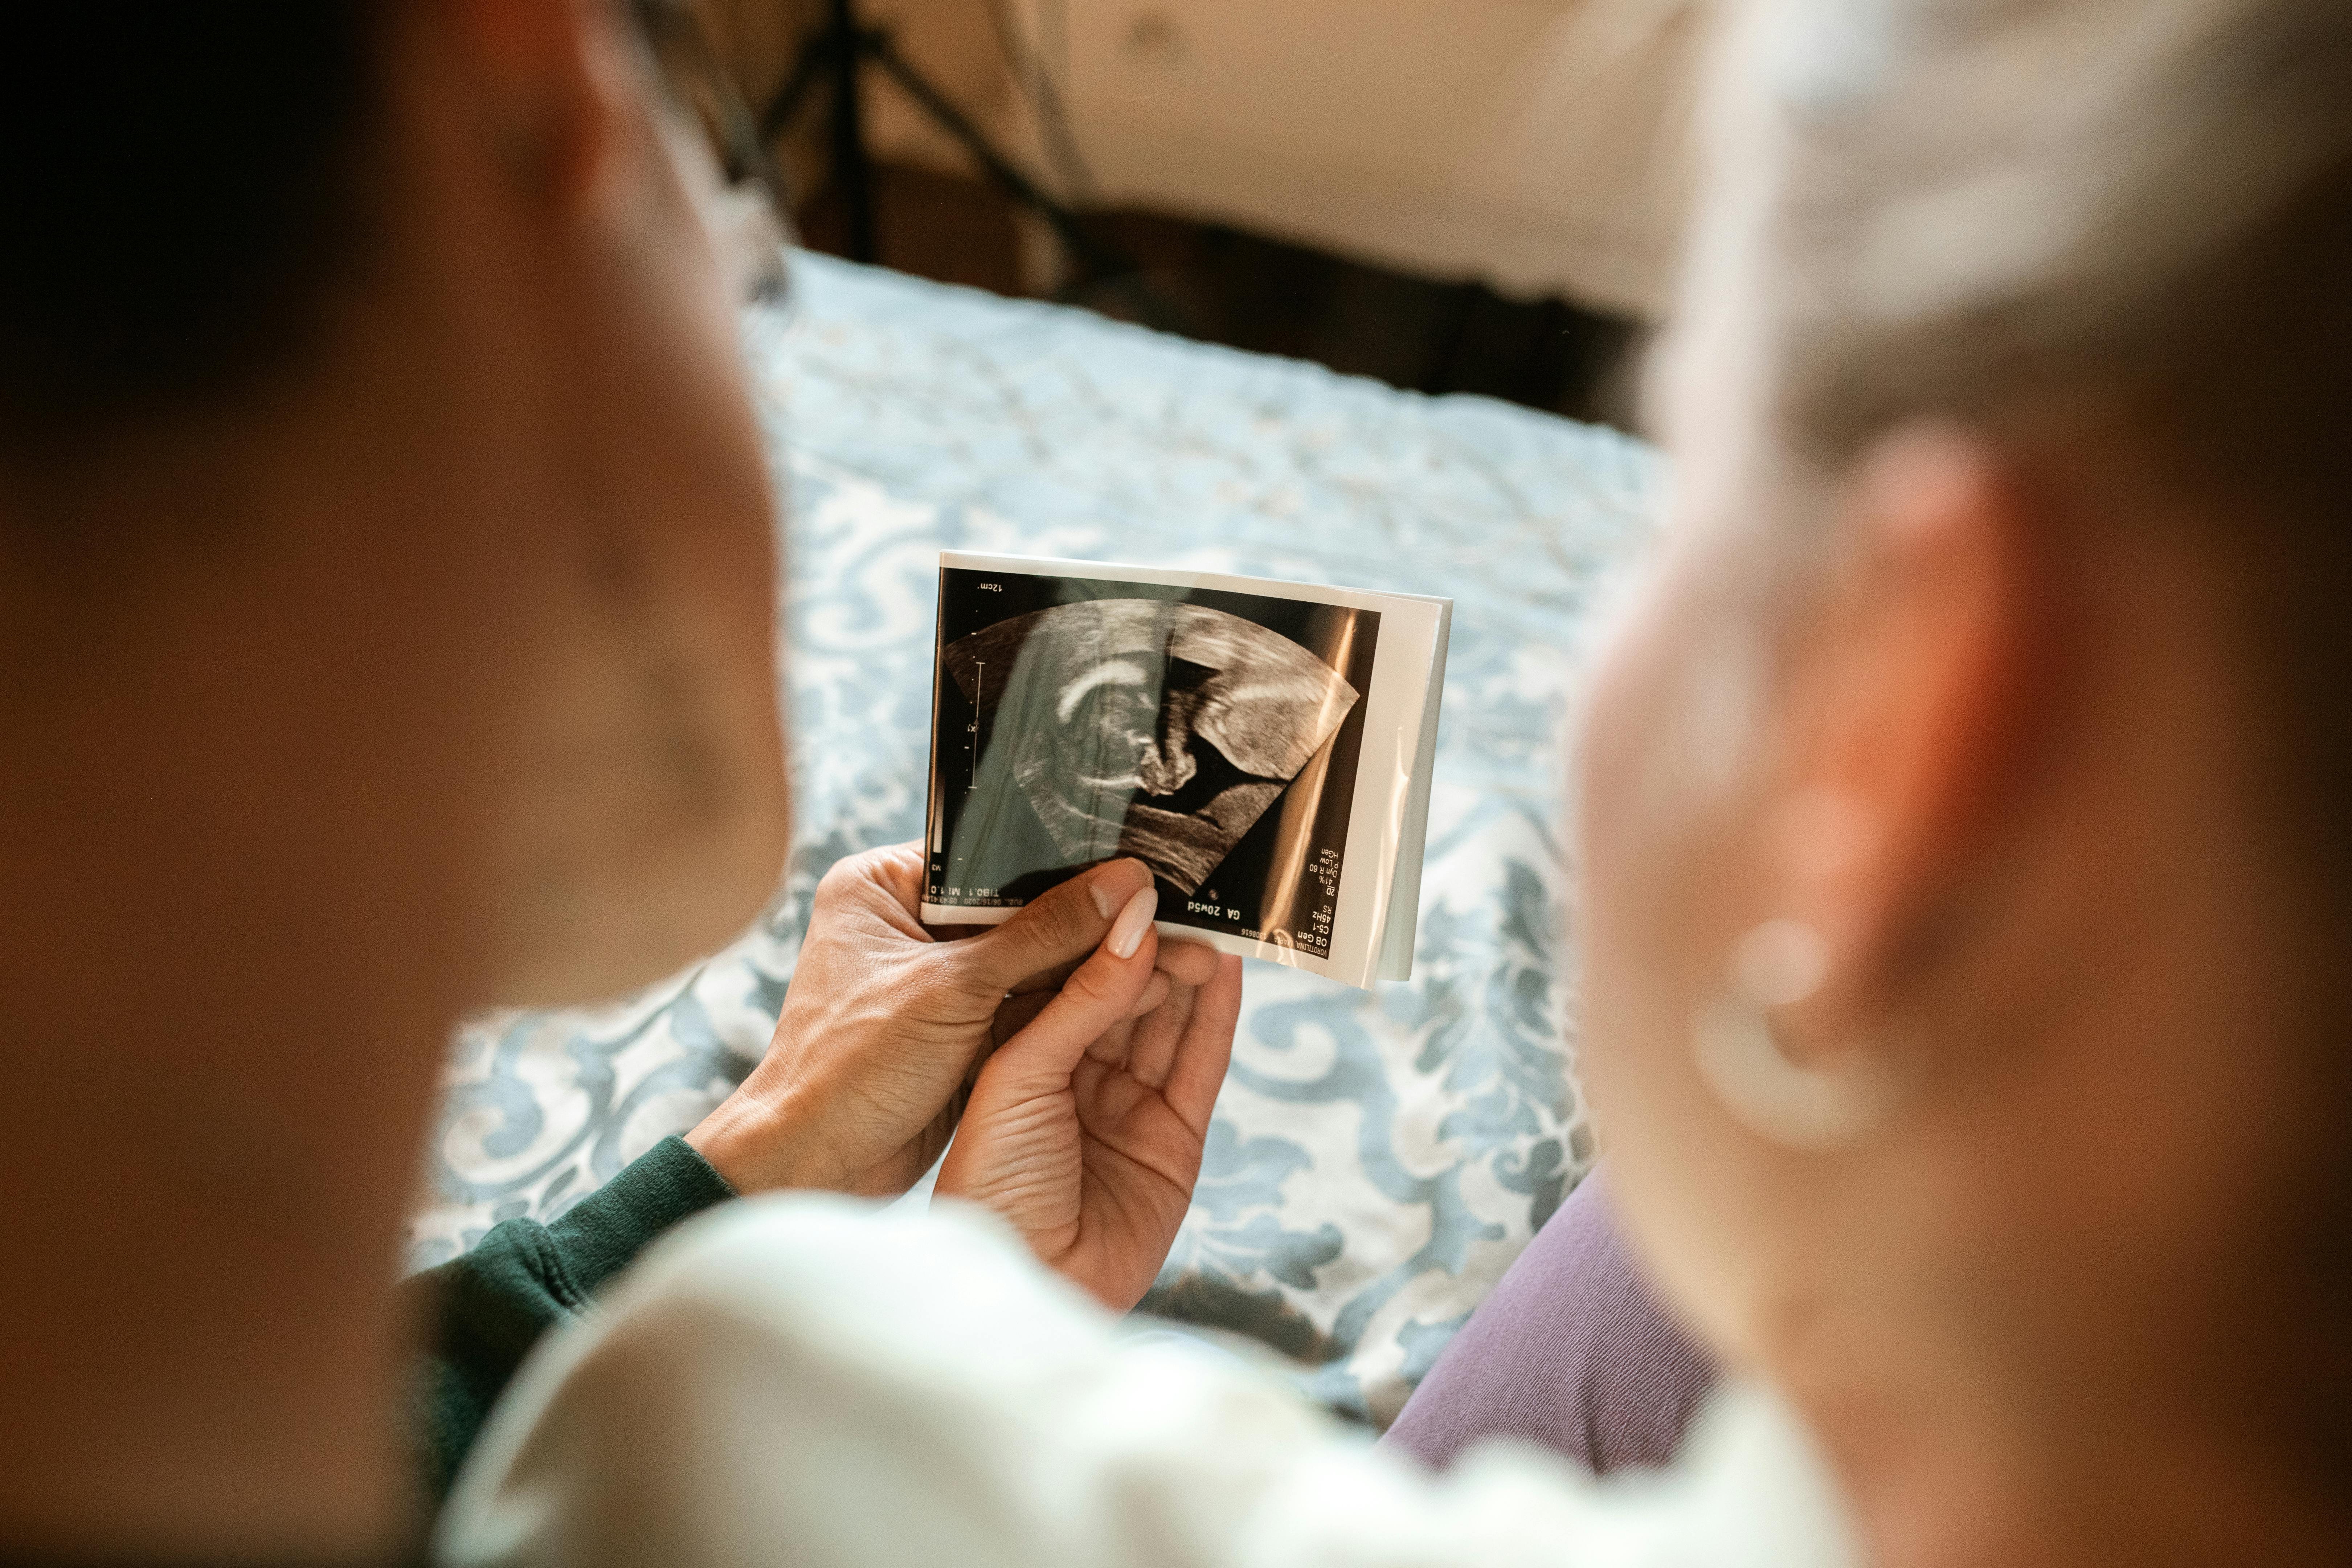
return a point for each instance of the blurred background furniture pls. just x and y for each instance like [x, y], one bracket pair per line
[1377, 1158]
[1448, 195]
[832, 57]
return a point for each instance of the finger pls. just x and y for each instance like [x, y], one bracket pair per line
[1207, 1048]
[1155, 993]
[1098, 996]
[888, 881]
[1151, 1053]
[1062, 925]
[1015, 1014]
[1109, 1048]
[899, 868]
[1015, 1011]
[1188, 963]
[1046, 979]
[1185, 963]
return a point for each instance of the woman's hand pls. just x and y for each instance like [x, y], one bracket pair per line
[1085, 1128]
[885, 1024]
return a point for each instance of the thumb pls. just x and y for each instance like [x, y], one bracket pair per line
[1100, 993]
[1054, 930]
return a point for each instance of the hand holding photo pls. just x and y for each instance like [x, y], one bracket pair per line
[1250, 742]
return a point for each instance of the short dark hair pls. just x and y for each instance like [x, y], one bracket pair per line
[181, 188]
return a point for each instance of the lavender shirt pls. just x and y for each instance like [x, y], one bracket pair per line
[1573, 1350]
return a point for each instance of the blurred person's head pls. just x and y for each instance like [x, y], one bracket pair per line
[387, 602]
[1965, 809]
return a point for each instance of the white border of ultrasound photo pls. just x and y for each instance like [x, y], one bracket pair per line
[1380, 879]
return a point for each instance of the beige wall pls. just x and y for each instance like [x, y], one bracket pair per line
[1541, 146]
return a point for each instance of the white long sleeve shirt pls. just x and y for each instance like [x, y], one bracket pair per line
[809, 1380]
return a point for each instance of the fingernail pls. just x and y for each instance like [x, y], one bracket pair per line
[1127, 931]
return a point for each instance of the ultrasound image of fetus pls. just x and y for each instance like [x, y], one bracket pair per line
[1147, 728]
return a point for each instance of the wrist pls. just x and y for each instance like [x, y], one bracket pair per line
[750, 1140]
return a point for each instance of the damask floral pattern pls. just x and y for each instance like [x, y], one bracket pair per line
[1377, 1158]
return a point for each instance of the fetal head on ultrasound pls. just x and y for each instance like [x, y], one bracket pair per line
[1144, 727]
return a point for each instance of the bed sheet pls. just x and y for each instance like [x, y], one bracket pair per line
[1377, 1158]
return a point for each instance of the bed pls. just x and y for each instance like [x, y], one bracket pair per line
[1377, 1158]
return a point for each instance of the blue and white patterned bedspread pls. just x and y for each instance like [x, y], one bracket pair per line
[1377, 1158]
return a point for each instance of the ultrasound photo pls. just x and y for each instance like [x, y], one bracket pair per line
[1211, 734]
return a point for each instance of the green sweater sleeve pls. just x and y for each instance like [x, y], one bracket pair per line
[484, 1311]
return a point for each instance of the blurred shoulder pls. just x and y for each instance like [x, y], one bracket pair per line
[817, 1381]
